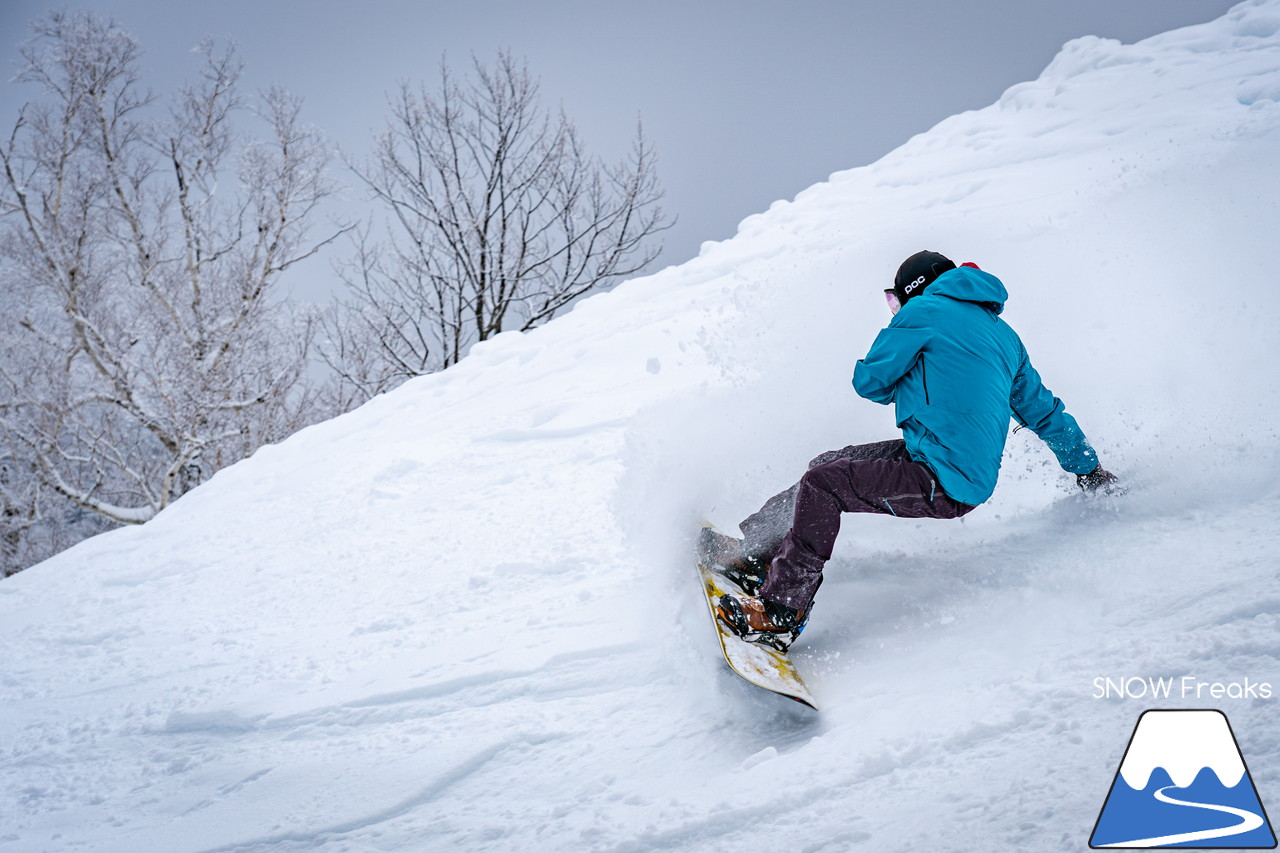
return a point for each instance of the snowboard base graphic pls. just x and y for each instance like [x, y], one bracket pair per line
[760, 665]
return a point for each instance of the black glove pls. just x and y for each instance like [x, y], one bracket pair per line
[1098, 478]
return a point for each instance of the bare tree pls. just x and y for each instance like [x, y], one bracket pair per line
[144, 344]
[499, 220]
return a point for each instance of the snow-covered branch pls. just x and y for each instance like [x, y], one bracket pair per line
[499, 220]
[144, 345]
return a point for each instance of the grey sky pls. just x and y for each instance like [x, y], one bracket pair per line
[746, 101]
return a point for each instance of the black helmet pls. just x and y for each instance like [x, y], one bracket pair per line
[918, 272]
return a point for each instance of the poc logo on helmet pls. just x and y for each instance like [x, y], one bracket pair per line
[913, 285]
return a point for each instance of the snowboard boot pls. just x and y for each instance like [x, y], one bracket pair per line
[726, 552]
[761, 621]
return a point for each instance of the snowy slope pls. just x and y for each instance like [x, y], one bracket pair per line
[463, 616]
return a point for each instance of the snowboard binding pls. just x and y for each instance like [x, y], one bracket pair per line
[725, 552]
[748, 574]
[760, 621]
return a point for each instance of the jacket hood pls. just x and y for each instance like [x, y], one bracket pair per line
[970, 285]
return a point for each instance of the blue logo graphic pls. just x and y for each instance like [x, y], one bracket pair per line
[1183, 783]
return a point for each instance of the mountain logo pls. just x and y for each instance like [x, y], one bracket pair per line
[1183, 783]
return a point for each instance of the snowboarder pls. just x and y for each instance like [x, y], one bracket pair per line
[956, 372]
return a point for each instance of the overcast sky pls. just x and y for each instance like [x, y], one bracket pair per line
[745, 101]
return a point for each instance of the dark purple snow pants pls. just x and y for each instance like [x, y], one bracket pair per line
[797, 529]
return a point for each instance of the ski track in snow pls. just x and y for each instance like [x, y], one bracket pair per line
[465, 616]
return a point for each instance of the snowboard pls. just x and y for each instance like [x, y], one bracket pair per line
[761, 665]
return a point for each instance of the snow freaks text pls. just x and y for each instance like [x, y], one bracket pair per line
[1186, 687]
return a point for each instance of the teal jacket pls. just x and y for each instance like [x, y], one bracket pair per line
[956, 372]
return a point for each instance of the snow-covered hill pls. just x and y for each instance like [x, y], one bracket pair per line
[463, 617]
